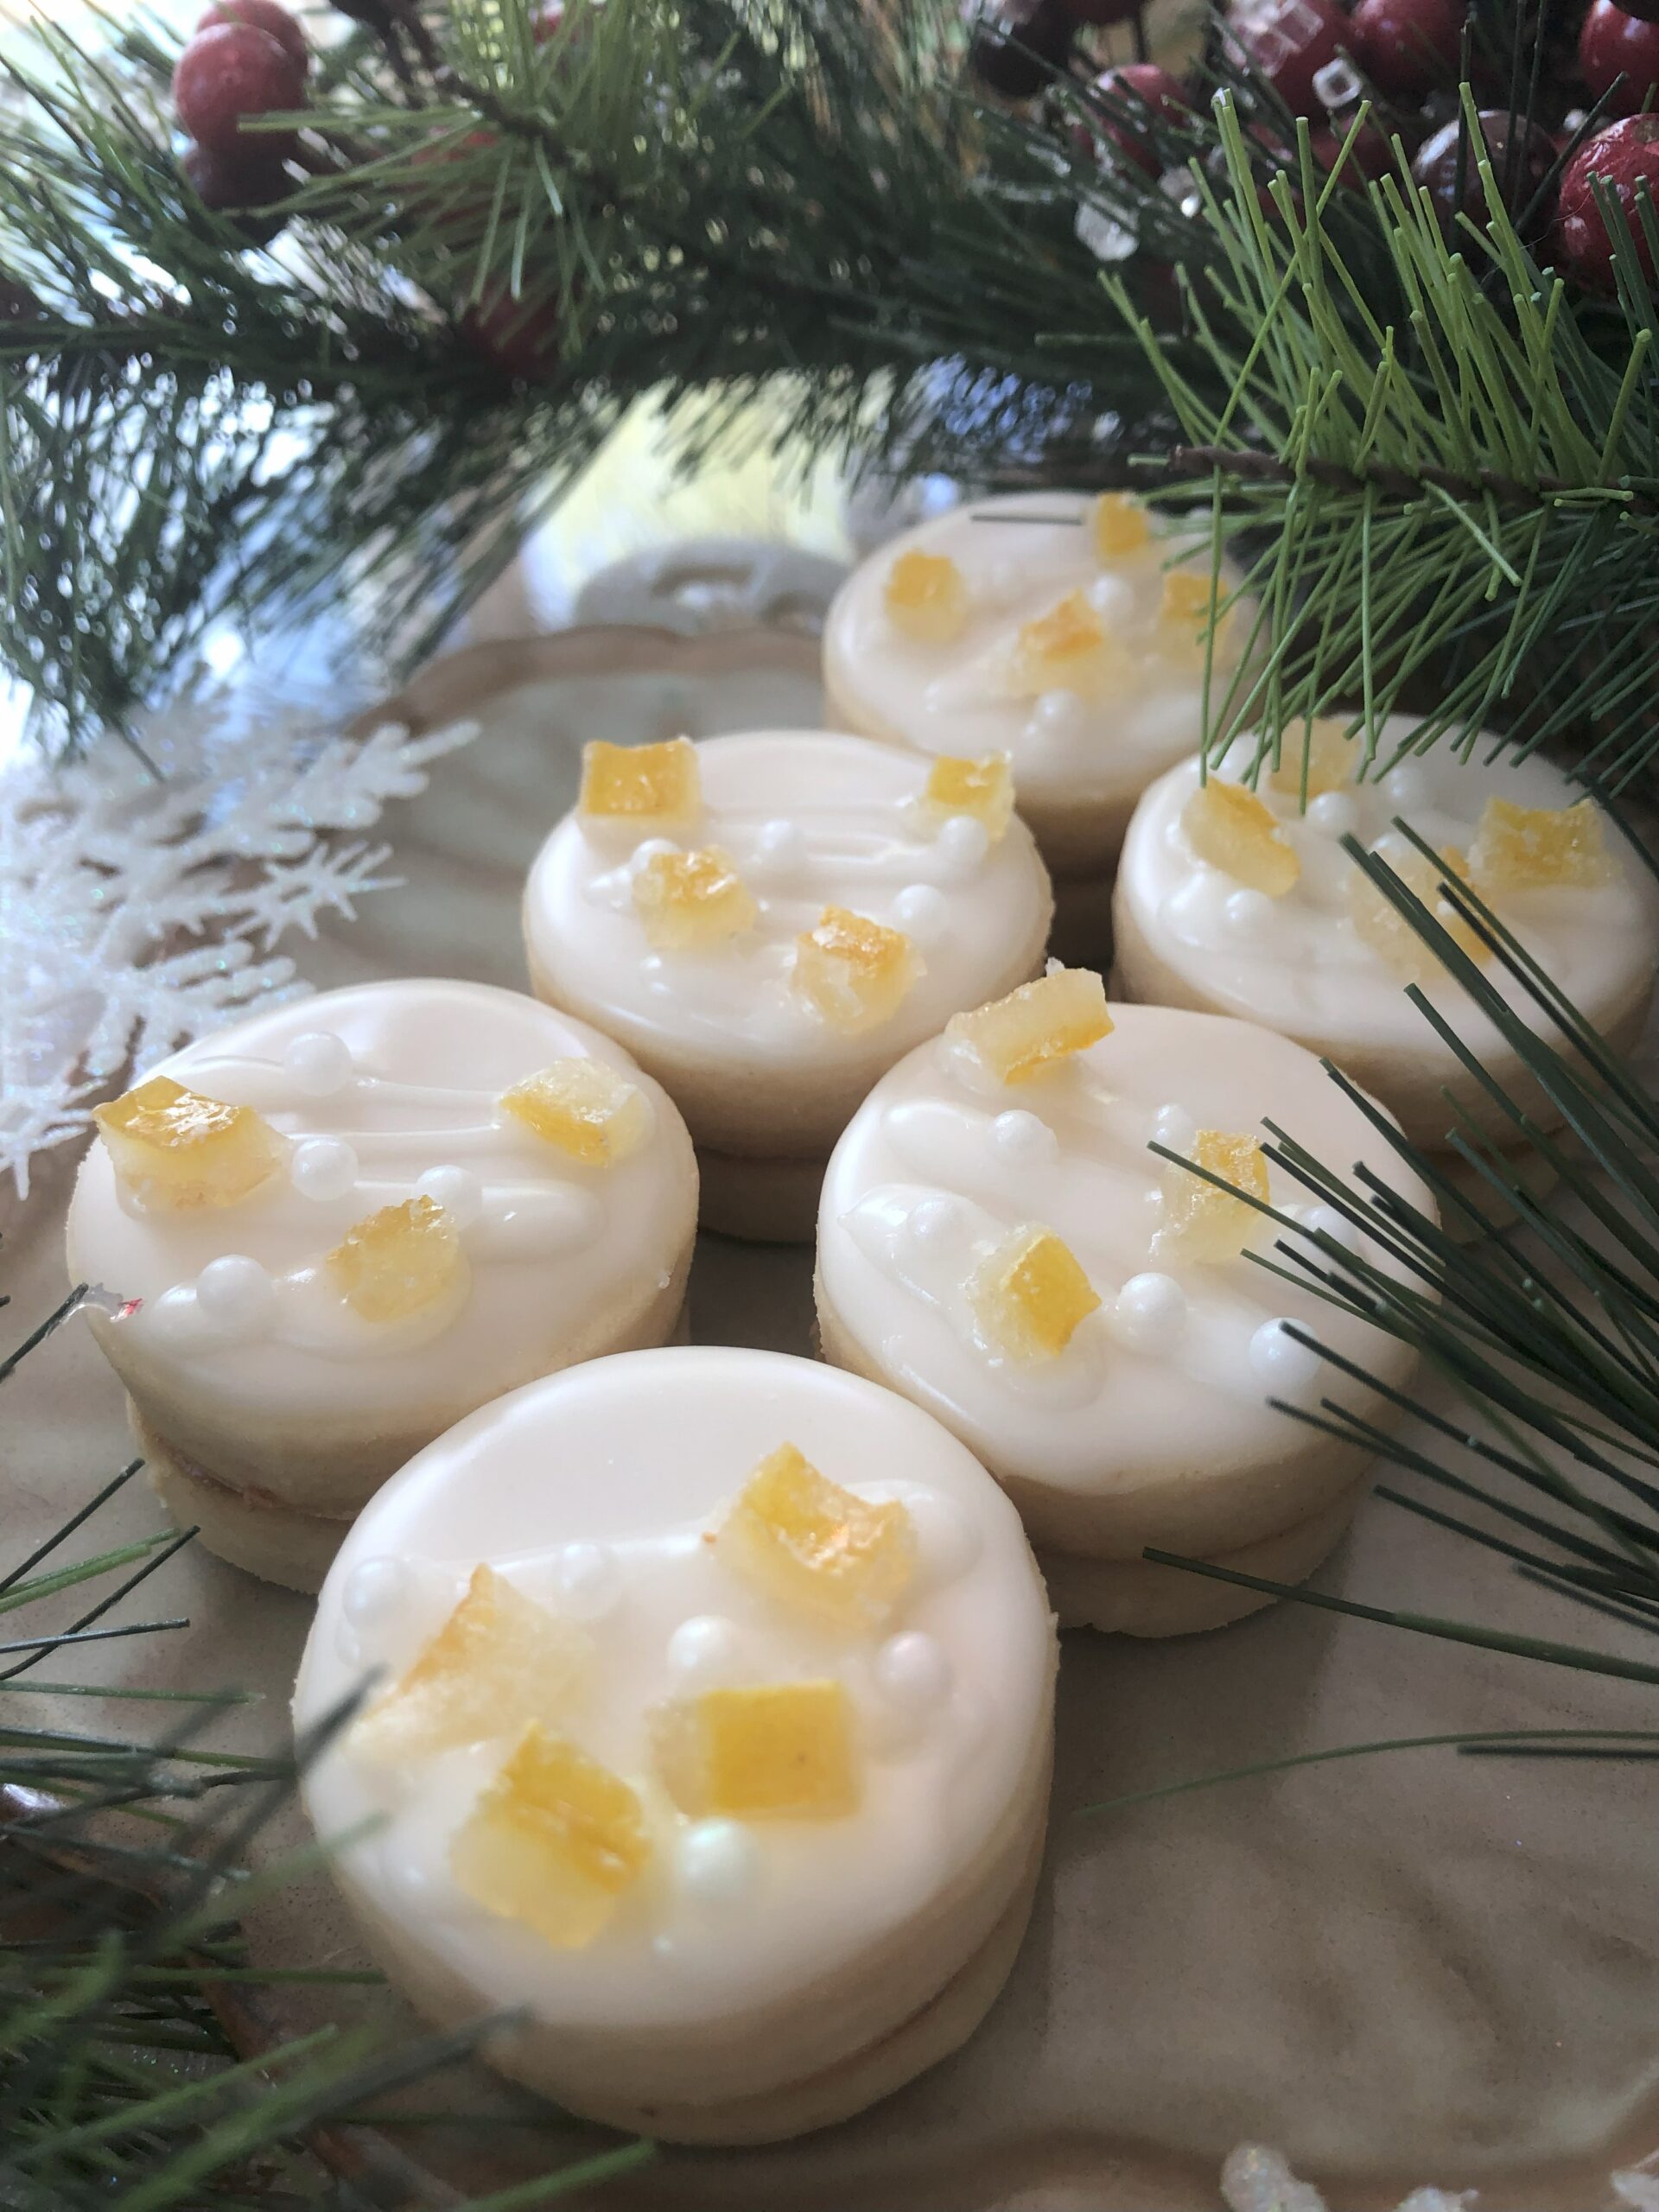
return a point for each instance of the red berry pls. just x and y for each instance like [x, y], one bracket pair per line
[1136, 86]
[1370, 154]
[1520, 161]
[1017, 46]
[233, 185]
[1409, 46]
[265, 15]
[520, 336]
[1613, 40]
[1625, 157]
[230, 72]
[547, 25]
[1288, 42]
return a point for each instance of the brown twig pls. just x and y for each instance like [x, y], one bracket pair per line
[1400, 484]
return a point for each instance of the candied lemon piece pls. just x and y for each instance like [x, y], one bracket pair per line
[1379, 925]
[1234, 830]
[174, 1148]
[1036, 1026]
[1332, 758]
[982, 788]
[1197, 1221]
[1531, 848]
[1186, 598]
[815, 1546]
[779, 1751]
[1120, 525]
[852, 971]
[554, 1842]
[690, 900]
[398, 1260]
[587, 1107]
[926, 598]
[498, 1661]
[1067, 650]
[652, 790]
[1031, 1295]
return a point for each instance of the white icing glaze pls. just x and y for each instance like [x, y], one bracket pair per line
[809, 819]
[954, 698]
[728, 1915]
[1163, 1374]
[1296, 962]
[400, 1098]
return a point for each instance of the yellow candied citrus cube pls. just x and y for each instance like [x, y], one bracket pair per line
[586, 1107]
[1186, 598]
[1534, 847]
[777, 1751]
[554, 1842]
[1068, 649]
[926, 598]
[1032, 1293]
[1120, 525]
[1380, 925]
[690, 900]
[816, 1546]
[982, 788]
[498, 1661]
[652, 790]
[1234, 830]
[1199, 1222]
[1036, 1026]
[398, 1260]
[852, 971]
[174, 1148]
[1332, 758]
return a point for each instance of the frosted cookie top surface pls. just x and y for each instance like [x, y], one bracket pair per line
[1047, 625]
[792, 1661]
[387, 1197]
[786, 899]
[1255, 901]
[999, 1238]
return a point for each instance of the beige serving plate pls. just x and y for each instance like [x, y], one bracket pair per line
[1399, 1969]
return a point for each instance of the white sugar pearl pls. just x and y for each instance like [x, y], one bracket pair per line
[1150, 1313]
[323, 1169]
[947, 1542]
[963, 841]
[1334, 1225]
[706, 1649]
[374, 1590]
[922, 912]
[588, 1579]
[236, 1296]
[782, 844]
[716, 1862]
[912, 1673]
[1280, 1361]
[1174, 1128]
[457, 1190]
[937, 1221]
[1059, 714]
[1334, 814]
[319, 1063]
[1247, 914]
[1020, 1136]
[1406, 785]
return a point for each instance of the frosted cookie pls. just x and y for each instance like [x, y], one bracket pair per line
[1240, 902]
[997, 1241]
[349, 1220]
[768, 922]
[1049, 626]
[730, 1770]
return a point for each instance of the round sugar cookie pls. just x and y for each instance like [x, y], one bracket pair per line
[348, 1220]
[1206, 923]
[768, 921]
[711, 1732]
[997, 1241]
[1064, 631]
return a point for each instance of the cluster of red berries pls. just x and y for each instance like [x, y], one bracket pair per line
[248, 59]
[1322, 59]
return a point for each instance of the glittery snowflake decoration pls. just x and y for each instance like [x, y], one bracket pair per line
[144, 889]
[1255, 2179]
